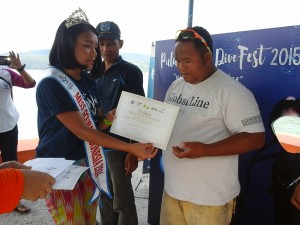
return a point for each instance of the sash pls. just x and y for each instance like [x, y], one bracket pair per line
[94, 152]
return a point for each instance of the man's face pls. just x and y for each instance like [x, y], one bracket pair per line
[193, 67]
[110, 49]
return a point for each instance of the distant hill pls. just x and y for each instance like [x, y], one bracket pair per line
[35, 60]
[142, 61]
[38, 59]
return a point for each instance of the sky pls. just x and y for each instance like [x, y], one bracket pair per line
[31, 24]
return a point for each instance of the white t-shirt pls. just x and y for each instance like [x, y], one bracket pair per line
[9, 115]
[210, 111]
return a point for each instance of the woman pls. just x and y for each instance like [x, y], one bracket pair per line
[286, 168]
[9, 115]
[68, 118]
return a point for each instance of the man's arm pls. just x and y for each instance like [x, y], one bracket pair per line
[74, 122]
[236, 144]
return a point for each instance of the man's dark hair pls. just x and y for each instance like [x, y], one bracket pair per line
[206, 36]
[198, 44]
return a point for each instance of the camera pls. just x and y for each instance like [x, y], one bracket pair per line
[4, 60]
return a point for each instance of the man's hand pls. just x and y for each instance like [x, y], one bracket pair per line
[296, 197]
[131, 163]
[36, 184]
[189, 150]
[111, 115]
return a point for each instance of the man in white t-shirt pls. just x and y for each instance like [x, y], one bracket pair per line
[218, 119]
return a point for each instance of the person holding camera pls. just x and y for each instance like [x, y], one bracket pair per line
[9, 115]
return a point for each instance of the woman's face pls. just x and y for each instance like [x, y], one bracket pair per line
[85, 49]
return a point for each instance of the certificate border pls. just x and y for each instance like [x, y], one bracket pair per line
[167, 130]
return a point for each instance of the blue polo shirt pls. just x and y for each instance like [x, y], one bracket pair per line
[122, 76]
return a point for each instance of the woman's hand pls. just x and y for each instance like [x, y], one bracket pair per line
[15, 62]
[14, 165]
[36, 184]
[143, 151]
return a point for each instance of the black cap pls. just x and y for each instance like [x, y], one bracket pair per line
[108, 30]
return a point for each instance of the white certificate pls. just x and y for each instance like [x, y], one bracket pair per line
[144, 120]
[66, 175]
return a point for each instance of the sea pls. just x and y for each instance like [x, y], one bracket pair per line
[25, 102]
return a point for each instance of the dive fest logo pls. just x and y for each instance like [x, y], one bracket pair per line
[277, 49]
[279, 56]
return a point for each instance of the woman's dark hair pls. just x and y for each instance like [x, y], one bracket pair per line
[279, 108]
[62, 53]
[282, 105]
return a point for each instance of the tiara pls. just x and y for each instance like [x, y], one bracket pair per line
[77, 17]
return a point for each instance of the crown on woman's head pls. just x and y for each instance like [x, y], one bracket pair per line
[78, 16]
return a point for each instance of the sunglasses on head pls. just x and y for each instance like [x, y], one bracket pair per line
[189, 34]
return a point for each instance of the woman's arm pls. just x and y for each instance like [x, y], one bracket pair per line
[26, 81]
[11, 185]
[75, 123]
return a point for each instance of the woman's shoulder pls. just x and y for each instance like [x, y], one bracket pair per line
[7, 74]
[48, 84]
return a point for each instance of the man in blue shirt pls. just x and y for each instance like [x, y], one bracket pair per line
[119, 76]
